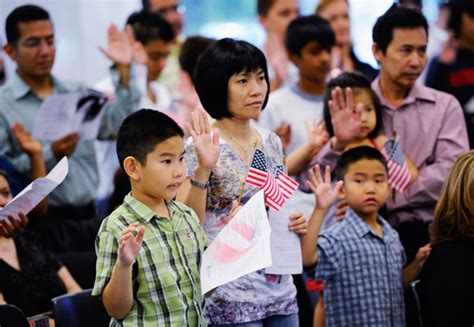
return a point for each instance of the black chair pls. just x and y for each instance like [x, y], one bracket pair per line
[79, 309]
[12, 316]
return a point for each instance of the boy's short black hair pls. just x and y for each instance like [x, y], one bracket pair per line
[356, 154]
[458, 7]
[142, 131]
[192, 50]
[396, 17]
[355, 81]
[149, 26]
[305, 29]
[22, 14]
[222, 60]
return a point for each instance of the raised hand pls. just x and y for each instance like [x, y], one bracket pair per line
[120, 46]
[345, 118]
[284, 133]
[207, 145]
[129, 245]
[27, 142]
[65, 146]
[316, 133]
[325, 194]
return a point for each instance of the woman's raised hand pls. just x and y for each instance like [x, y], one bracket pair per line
[205, 142]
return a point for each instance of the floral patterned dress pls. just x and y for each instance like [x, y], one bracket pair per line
[257, 295]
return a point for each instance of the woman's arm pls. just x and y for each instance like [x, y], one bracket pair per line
[69, 281]
[2, 300]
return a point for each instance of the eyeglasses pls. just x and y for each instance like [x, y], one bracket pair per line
[180, 9]
[35, 43]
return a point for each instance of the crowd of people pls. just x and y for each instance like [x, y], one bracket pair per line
[386, 179]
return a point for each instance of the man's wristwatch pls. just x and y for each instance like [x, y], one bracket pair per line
[200, 185]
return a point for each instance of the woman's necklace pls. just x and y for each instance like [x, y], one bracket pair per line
[246, 152]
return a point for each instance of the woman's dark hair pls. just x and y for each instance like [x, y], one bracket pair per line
[357, 82]
[222, 60]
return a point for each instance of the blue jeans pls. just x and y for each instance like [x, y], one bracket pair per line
[273, 321]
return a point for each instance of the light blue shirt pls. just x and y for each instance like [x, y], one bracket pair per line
[18, 103]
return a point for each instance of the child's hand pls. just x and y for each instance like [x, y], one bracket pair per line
[284, 133]
[298, 223]
[325, 195]
[316, 133]
[341, 208]
[345, 118]
[129, 246]
[422, 255]
[207, 146]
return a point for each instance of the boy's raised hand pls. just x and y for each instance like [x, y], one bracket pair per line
[316, 132]
[129, 245]
[120, 46]
[345, 118]
[207, 145]
[325, 194]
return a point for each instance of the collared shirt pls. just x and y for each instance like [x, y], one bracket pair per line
[362, 274]
[432, 134]
[167, 289]
[18, 103]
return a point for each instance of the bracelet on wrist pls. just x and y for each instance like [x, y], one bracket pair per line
[200, 185]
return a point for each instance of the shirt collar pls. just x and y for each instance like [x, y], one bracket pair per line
[362, 229]
[143, 211]
[307, 96]
[20, 88]
[417, 92]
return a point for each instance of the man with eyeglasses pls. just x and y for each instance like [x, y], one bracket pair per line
[72, 222]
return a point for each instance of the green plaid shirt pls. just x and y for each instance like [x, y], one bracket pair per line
[166, 285]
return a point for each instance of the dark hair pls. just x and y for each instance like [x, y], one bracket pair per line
[149, 26]
[358, 82]
[218, 64]
[4, 174]
[396, 17]
[22, 14]
[356, 154]
[146, 5]
[142, 131]
[458, 8]
[305, 29]
[192, 50]
[264, 6]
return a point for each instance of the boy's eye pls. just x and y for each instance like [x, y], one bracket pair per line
[242, 81]
[359, 181]
[167, 161]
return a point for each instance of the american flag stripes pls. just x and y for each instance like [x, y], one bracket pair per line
[398, 174]
[277, 186]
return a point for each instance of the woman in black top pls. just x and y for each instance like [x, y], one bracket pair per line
[446, 288]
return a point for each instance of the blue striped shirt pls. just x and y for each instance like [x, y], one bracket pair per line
[362, 274]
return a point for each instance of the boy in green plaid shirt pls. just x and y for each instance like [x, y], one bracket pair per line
[149, 249]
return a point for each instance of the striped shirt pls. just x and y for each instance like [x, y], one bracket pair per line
[166, 285]
[362, 274]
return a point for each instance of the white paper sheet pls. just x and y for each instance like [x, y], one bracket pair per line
[285, 244]
[34, 193]
[59, 116]
[242, 247]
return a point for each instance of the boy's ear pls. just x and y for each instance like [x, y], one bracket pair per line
[132, 168]
[342, 193]
[294, 58]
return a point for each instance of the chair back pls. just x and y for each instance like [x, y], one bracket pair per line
[79, 309]
[12, 316]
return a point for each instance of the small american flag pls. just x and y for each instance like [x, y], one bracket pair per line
[398, 174]
[287, 185]
[277, 186]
